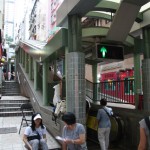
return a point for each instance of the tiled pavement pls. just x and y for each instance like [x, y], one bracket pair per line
[13, 141]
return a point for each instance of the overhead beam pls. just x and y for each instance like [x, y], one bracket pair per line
[122, 23]
[71, 7]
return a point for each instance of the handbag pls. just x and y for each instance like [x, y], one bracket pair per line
[33, 137]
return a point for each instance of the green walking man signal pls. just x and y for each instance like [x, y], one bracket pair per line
[106, 51]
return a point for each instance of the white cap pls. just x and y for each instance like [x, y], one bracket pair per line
[38, 116]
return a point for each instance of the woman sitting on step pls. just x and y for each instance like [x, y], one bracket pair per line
[35, 135]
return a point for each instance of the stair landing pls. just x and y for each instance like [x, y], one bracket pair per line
[10, 106]
[14, 98]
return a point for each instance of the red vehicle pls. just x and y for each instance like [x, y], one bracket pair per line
[118, 86]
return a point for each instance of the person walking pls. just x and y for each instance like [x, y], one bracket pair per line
[9, 75]
[35, 135]
[73, 133]
[104, 124]
[144, 143]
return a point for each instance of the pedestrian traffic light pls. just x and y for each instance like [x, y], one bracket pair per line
[106, 51]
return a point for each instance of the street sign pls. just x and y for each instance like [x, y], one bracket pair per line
[106, 51]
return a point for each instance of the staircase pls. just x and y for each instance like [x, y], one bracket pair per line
[11, 100]
[10, 106]
[10, 88]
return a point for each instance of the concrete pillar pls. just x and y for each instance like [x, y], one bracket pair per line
[23, 58]
[55, 67]
[15, 68]
[64, 67]
[30, 67]
[17, 56]
[20, 55]
[26, 62]
[75, 75]
[146, 69]
[45, 85]
[35, 75]
[95, 86]
[137, 71]
[74, 33]
[75, 80]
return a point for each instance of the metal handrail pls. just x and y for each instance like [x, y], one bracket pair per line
[115, 91]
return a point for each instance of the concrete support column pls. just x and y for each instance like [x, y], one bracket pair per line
[35, 75]
[45, 85]
[19, 55]
[30, 68]
[20, 50]
[146, 69]
[15, 68]
[26, 63]
[137, 72]
[75, 75]
[146, 38]
[146, 83]
[65, 62]
[64, 67]
[55, 67]
[76, 85]
[95, 86]
[74, 33]
[23, 58]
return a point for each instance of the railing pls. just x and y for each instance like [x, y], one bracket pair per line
[114, 91]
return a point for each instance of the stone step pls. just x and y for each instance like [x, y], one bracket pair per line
[15, 113]
[10, 104]
[13, 101]
[10, 94]
[12, 91]
[12, 87]
[12, 84]
[8, 87]
[9, 109]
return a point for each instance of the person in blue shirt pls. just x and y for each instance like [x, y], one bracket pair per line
[74, 134]
[104, 124]
[144, 143]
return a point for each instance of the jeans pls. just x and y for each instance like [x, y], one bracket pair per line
[36, 144]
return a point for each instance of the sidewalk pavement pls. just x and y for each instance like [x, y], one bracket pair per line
[13, 141]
